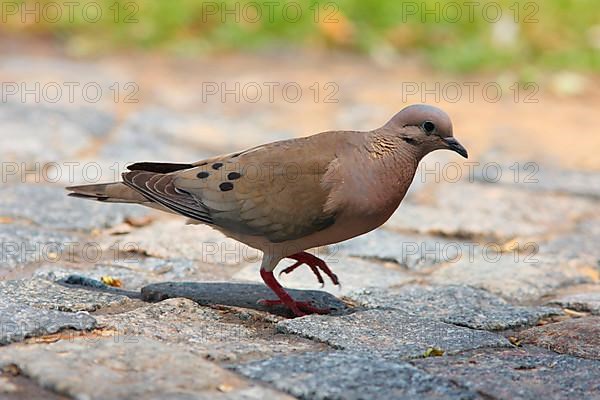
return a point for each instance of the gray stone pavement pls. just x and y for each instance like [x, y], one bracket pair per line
[473, 290]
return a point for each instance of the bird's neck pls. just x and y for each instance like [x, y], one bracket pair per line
[390, 170]
[393, 151]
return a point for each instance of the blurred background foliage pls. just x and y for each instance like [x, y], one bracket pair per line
[448, 35]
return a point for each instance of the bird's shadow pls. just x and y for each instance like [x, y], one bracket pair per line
[235, 294]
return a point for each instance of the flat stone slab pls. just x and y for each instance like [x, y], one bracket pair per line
[392, 334]
[353, 273]
[153, 134]
[223, 336]
[58, 69]
[577, 247]
[22, 244]
[43, 294]
[134, 369]
[244, 295]
[158, 133]
[455, 304]
[413, 252]
[172, 238]
[524, 280]
[133, 274]
[25, 201]
[579, 337]
[341, 376]
[14, 386]
[519, 374]
[587, 302]
[492, 211]
[71, 131]
[19, 322]
[533, 176]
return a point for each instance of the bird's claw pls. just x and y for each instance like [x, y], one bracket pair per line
[315, 264]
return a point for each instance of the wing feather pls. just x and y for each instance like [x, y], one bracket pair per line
[274, 191]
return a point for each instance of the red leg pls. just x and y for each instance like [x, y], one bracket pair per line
[314, 263]
[313, 268]
[299, 308]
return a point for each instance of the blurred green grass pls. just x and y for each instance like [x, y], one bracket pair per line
[549, 34]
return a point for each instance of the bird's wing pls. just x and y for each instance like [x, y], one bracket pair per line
[276, 191]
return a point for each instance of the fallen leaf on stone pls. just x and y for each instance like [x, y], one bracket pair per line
[111, 281]
[138, 222]
[224, 387]
[120, 229]
[575, 314]
[11, 369]
[103, 332]
[542, 322]
[511, 245]
[55, 337]
[433, 352]
[349, 302]
[515, 341]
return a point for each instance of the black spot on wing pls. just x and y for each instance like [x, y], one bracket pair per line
[233, 176]
[203, 175]
[217, 165]
[226, 186]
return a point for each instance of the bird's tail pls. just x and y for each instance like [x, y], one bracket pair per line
[115, 192]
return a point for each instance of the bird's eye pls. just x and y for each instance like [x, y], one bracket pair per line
[428, 127]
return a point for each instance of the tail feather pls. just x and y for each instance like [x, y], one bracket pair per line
[115, 192]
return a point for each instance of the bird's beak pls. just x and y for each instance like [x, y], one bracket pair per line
[455, 146]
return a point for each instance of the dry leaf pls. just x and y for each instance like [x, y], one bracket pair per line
[433, 352]
[515, 341]
[224, 387]
[139, 222]
[111, 281]
[575, 314]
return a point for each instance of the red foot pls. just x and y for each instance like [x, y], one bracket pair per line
[314, 263]
[303, 306]
[299, 308]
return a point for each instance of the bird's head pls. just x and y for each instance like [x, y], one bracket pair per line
[427, 128]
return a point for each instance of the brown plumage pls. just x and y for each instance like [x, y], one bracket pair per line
[289, 196]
